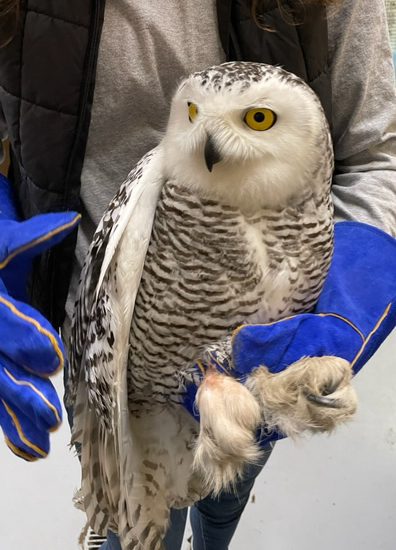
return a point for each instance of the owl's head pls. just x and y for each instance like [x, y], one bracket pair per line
[248, 134]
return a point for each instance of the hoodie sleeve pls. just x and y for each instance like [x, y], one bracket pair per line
[364, 114]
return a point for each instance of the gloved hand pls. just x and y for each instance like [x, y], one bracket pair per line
[30, 349]
[298, 370]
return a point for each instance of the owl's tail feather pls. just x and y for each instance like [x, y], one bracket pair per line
[229, 418]
[98, 464]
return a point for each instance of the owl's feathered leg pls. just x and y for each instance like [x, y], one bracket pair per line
[230, 416]
[314, 394]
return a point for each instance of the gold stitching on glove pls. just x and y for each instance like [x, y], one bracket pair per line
[343, 319]
[38, 241]
[200, 365]
[43, 397]
[40, 329]
[16, 450]
[261, 325]
[22, 436]
[293, 316]
[377, 326]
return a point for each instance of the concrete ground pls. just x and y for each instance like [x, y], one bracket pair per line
[327, 493]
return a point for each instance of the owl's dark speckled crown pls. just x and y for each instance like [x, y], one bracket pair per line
[223, 77]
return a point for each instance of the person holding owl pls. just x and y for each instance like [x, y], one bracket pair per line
[78, 123]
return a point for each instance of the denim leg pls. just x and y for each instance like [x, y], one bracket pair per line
[173, 539]
[214, 521]
[174, 536]
[112, 543]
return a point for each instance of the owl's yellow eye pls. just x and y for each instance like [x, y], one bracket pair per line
[260, 119]
[192, 111]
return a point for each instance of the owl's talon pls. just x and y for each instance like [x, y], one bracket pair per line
[314, 394]
[229, 418]
[331, 387]
[323, 400]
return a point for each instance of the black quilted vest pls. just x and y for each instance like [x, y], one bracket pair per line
[47, 78]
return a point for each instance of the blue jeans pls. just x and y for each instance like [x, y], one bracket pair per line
[213, 521]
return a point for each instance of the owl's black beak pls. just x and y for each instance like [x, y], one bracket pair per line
[212, 156]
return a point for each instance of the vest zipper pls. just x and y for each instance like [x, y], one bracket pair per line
[76, 157]
[96, 28]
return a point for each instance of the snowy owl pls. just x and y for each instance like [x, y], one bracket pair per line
[229, 220]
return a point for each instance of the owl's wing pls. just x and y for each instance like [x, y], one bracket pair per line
[99, 344]
[101, 291]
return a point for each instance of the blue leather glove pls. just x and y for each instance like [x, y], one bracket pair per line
[356, 311]
[30, 349]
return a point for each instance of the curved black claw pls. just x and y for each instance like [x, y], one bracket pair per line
[324, 400]
[331, 388]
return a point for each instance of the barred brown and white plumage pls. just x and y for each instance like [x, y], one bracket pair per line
[229, 220]
[201, 280]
